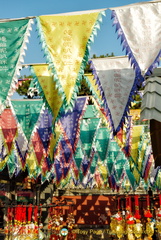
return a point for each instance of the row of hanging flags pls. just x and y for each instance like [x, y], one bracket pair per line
[79, 151]
[30, 130]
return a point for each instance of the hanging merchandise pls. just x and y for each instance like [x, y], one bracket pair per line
[138, 226]
[118, 222]
[22, 223]
[158, 217]
[60, 35]
[117, 81]
[149, 229]
[129, 219]
[55, 222]
[70, 224]
[140, 35]
[13, 38]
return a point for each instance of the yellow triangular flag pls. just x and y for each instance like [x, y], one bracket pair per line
[54, 140]
[137, 132]
[31, 162]
[48, 87]
[66, 39]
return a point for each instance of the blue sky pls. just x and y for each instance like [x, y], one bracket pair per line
[105, 42]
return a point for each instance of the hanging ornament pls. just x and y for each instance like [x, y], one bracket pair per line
[117, 222]
[138, 229]
[120, 231]
[138, 226]
[129, 219]
[147, 212]
[55, 222]
[158, 216]
[137, 214]
[149, 229]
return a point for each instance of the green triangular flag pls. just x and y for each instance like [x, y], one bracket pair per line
[13, 38]
[27, 113]
[101, 142]
[87, 132]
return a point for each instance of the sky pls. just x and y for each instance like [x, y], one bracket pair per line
[105, 42]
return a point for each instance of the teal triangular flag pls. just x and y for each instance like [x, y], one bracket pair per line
[27, 113]
[13, 38]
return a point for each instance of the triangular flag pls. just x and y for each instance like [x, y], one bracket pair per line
[71, 121]
[91, 82]
[66, 39]
[54, 140]
[21, 144]
[31, 163]
[101, 142]
[103, 171]
[3, 152]
[130, 176]
[47, 87]
[45, 128]
[66, 150]
[120, 164]
[38, 147]
[117, 79]
[9, 127]
[27, 113]
[135, 142]
[13, 39]
[58, 170]
[113, 151]
[78, 155]
[94, 163]
[91, 112]
[87, 133]
[85, 165]
[11, 164]
[140, 35]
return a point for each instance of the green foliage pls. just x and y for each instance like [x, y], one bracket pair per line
[84, 90]
[137, 102]
[103, 56]
[23, 88]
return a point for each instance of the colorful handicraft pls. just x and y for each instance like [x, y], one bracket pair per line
[22, 223]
